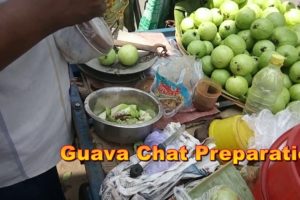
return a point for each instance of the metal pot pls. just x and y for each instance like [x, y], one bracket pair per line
[113, 96]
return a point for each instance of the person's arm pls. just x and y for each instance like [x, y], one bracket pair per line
[23, 23]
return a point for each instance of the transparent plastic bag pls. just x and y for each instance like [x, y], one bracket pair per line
[268, 127]
[175, 80]
[82, 43]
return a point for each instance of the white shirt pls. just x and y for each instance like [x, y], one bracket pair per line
[35, 113]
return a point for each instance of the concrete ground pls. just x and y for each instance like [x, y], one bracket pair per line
[72, 175]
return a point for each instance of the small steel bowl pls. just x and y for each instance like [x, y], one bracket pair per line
[113, 96]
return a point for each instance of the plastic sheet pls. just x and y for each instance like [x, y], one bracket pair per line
[268, 127]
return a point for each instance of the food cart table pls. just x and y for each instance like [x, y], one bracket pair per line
[94, 170]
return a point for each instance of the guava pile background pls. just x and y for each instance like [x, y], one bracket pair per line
[235, 39]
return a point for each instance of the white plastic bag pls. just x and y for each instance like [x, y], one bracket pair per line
[175, 80]
[268, 127]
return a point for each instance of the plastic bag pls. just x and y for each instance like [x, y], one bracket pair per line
[81, 43]
[175, 81]
[268, 127]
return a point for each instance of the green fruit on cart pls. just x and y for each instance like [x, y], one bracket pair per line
[249, 79]
[295, 92]
[287, 6]
[287, 81]
[263, 46]
[294, 73]
[265, 58]
[215, 3]
[128, 55]
[246, 35]
[258, 11]
[285, 94]
[270, 4]
[255, 70]
[229, 9]
[221, 56]
[283, 36]
[189, 36]
[227, 28]
[209, 47]
[197, 48]
[202, 15]
[268, 11]
[292, 17]
[207, 66]
[298, 50]
[217, 41]
[244, 18]
[237, 86]
[236, 43]
[261, 29]
[217, 16]
[220, 76]
[279, 105]
[290, 53]
[242, 65]
[207, 31]
[186, 24]
[277, 19]
[108, 59]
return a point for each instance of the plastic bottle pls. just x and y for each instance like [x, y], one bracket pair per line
[266, 86]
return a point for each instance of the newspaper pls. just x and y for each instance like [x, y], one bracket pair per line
[118, 185]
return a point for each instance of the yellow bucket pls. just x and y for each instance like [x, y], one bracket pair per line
[230, 133]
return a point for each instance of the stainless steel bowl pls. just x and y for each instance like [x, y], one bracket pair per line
[113, 96]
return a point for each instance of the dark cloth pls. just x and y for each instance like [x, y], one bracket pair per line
[43, 187]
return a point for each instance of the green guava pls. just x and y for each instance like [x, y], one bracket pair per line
[246, 35]
[290, 53]
[261, 29]
[277, 19]
[220, 76]
[217, 16]
[265, 58]
[207, 66]
[197, 48]
[227, 28]
[221, 56]
[209, 47]
[207, 31]
[287, 81]
[237, 86]
[217, 40]
[236, 43]
[244, 18]
[294, 73]
[202, 15]
[268, 11]
[258, 11]
[229, 9]
[189, 36]
[186, 24]
[242, 65]
[284, 36]
[292, 17]
[262, 46]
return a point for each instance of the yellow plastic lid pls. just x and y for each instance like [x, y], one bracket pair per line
[277, 59]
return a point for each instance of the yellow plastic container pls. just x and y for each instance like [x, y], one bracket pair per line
[230, 133]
